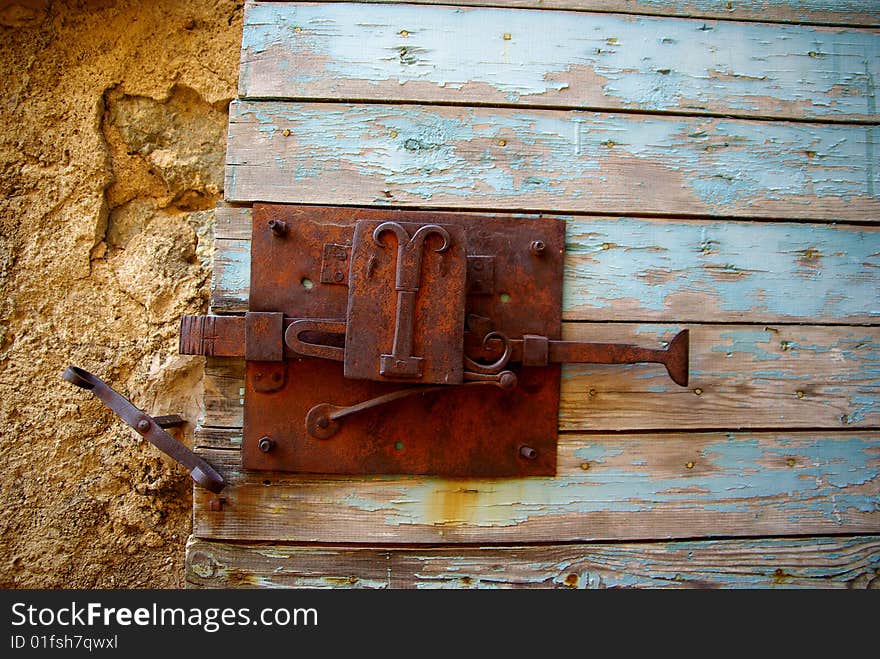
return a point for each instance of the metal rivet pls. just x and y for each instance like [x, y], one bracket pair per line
[800, 394]
[791, 462]
[537, 247]
[585, 466]
[528, 452]
[698, 391]
[502, 142]
[266, 444]
[689, 465]
[338, 276]
[278, 227]
[143, 425]
[507, 36]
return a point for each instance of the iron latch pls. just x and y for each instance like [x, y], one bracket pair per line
[390, 341]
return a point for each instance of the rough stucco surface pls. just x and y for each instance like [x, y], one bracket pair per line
[112, 139]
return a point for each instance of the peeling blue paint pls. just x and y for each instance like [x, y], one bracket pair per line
[646, 63]
[730, 168]
[648, 263]
[731, 476]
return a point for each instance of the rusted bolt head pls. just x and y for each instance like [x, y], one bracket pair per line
[507, 381]
[278, 227]
[266, 444]
[338, 276]
[528, 452]
[143, 425]
[537, 247]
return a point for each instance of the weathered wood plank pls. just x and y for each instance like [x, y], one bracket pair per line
[742, 376]
[682, 270]
[232, 222]
[823, 562]
[831, 12]
[420, 54]
[618, 486]
[518, 159]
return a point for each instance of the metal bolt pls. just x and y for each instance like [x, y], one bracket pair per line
[528, 452]
[338, 276]
[279, 227]
[143, 425]
[266, 444]
[537, 247]
[507, 381]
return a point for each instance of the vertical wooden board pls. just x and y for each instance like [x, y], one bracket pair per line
[488, 158]
[831, 12]
[742, 376]
[600, 61]
[617, 486]
[688, 270]
[823, 562]
[231, 280]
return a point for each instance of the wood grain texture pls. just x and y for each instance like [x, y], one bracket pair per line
[618, 486]
[549, 160]
[838, 562]
[742, 376]
[832, 12]
[663, 270]
[418, 54]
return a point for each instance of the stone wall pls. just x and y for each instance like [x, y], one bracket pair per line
[112, 144]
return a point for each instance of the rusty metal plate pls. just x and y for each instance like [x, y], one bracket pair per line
[453, 431]
[406, 300]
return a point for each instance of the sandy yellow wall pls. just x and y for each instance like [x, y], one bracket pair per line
[112, 136]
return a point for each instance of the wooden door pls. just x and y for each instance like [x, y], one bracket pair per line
[716, 173]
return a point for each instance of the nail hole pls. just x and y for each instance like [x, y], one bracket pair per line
[504, 297]
[398, 446]
[307, 283]
[267, 482]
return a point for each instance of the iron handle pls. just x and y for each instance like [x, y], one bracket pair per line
[148, 427]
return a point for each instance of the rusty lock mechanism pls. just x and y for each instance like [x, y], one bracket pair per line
[404, 342]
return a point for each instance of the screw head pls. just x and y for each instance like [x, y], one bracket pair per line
[278, 227]
[528, 452]
[537, 247]
[143, 425]
[266, 444]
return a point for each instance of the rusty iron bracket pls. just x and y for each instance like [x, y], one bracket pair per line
[390, 341]
[150, 428]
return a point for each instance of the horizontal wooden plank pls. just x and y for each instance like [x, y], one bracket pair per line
[742, 376]
[418, 54]
[662, 270]
[823, 562]
[549, 160]
[831, 12]
[618, 486]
